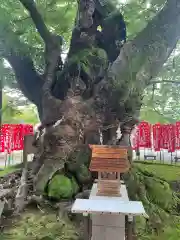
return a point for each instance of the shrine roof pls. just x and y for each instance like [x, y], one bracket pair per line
[109, 159]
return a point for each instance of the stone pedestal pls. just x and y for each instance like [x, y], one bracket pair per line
[108, 226]
[108, 213]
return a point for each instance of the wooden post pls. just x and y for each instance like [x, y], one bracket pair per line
[87, 227]
[25, 152]
[129, 228]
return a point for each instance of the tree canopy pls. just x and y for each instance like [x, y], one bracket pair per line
[161, 101]
[19, 36]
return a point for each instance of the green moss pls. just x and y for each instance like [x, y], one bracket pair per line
[159, 201]
[75, 186]
[160, 193]
[77, 158]
[83, 174]
[62, 187]
[40, 226]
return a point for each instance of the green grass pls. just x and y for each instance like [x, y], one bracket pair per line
[10, 169]
[165, 171]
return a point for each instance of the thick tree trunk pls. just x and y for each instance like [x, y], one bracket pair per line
[59, 141]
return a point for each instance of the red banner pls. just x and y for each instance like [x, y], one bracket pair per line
[142, 136]
[157, 133]
[164, 136]
[171, 137]
[12, 136]
[177, 133]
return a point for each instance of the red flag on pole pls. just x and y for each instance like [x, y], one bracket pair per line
[157, 133]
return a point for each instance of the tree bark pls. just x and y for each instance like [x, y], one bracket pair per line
[29, 81]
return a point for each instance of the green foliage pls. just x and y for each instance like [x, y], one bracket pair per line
[161, 100]
[160, 193]
[75, 185]
[91, 60]
[81, 156]
[139, 13]
[62, 187]
[159, 201]
[40, 226]
[83, 174]
[167, 172]
[58, 15]
[78, 164]
[15, 110]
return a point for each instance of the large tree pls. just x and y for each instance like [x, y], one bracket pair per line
[98, 87]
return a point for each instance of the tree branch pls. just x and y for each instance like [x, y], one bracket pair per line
[138, 62]
[28, 79]
[53, 49]
[30, 5]
[141, 59]
[84, 27]
[165, 81]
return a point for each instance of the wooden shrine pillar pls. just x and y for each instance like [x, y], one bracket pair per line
[28, 147]
[87, 227]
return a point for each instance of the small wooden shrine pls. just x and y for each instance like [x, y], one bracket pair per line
[109, 162]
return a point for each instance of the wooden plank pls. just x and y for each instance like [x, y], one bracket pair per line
[108, 155]
[109, 181]
[109, 166]
[110, 191]
[109, 194]
[108, 186]
[111, 187]
[110, 150]
[97, 180]
[109, 161]
[108, 146]
[119, 170]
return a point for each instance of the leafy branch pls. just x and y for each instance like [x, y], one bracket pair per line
[30, 5]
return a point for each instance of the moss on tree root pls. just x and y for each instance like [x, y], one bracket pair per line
[67, 183]
[160, 202]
